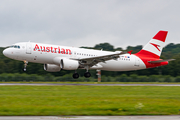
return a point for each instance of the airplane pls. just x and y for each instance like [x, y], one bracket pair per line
[56, 58]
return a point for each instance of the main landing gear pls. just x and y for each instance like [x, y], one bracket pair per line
[86, 74]
[25, 65]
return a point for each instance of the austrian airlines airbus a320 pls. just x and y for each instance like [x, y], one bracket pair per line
[55, 57]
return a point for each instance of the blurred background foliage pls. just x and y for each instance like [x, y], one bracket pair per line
[11, 70]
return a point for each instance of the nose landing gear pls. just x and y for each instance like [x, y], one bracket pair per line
[25, 65]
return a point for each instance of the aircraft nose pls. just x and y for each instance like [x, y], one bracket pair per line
[6, 52]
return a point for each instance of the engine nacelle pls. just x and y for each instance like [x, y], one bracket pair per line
[68, 64]
[52, 67]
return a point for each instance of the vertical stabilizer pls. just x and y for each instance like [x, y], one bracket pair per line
[154, 47]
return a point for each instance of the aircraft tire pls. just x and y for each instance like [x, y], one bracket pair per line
[24, 69]
[87, 74]
[75, 75]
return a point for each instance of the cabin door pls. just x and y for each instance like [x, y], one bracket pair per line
[28, 48]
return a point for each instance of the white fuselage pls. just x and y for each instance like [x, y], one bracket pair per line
[45, 54]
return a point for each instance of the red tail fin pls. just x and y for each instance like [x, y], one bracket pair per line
[154, 47]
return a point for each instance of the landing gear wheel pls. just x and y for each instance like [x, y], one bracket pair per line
[75, 75]
[24, 69]
[87, 74]
[25, 65]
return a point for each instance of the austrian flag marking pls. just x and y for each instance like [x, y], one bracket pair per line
[52, 49]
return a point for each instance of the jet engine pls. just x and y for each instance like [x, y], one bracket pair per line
[68, 64]
[52, 67]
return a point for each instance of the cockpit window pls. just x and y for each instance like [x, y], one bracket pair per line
[15, 46]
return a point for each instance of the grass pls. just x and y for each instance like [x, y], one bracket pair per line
[89, 100]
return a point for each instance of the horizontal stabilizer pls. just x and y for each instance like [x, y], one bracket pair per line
[159, 61]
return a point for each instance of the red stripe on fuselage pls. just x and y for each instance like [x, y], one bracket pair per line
[147, 56]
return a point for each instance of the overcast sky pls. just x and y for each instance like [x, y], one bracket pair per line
[79, 23]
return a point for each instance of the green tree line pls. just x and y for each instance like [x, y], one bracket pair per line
[8, 65]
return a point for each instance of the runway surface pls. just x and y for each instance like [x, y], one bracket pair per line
[90, 118]
[60, 84]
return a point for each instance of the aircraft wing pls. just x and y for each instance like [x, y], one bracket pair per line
[91, 61]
